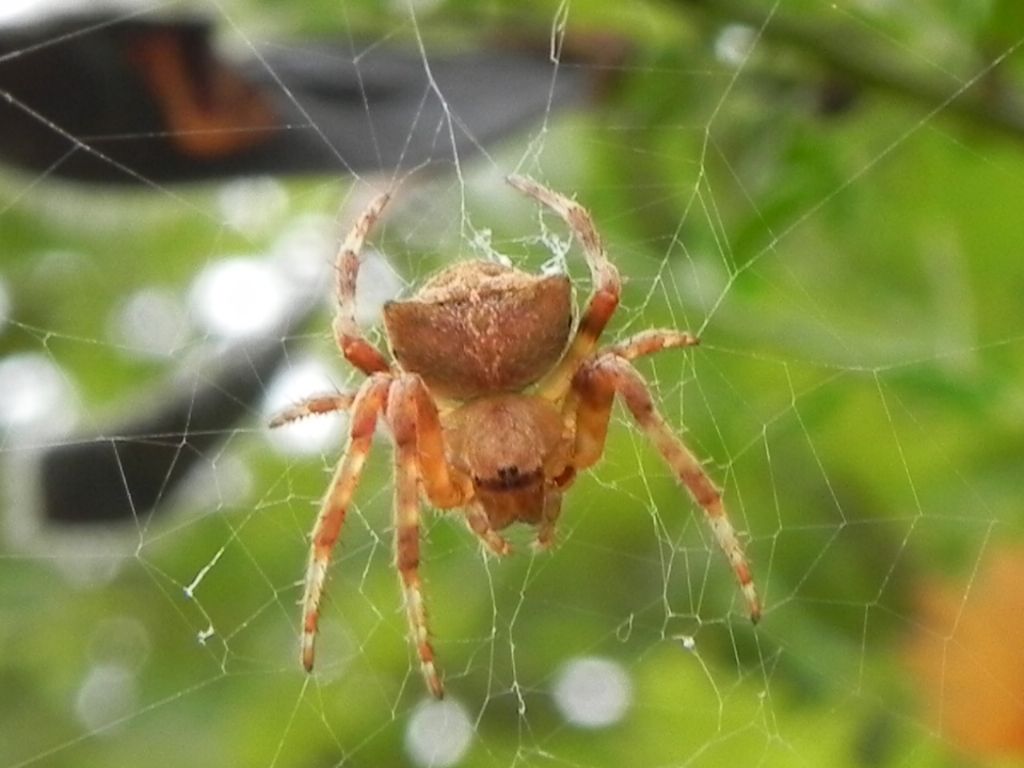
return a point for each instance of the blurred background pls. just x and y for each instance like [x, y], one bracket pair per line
[827, 192]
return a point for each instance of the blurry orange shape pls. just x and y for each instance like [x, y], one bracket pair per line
[209, 110]
[967, 654]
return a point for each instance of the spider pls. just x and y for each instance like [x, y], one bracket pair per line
[492, 407]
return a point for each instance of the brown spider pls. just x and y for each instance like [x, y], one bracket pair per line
[491, 407]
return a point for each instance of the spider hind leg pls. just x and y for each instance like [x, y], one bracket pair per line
[353, 344]
[603, 275]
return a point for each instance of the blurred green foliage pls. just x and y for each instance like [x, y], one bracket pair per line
[850, 258]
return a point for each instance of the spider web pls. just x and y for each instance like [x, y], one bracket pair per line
[844, 251]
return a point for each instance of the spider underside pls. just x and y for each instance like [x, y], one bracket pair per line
[493, 406]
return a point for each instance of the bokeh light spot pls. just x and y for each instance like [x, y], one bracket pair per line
[438, 734]
[37, 399]
[150, 323]
[239, 297]
[592, 692]
[108, 693]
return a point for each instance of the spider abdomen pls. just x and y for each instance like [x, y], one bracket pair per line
[478, 328]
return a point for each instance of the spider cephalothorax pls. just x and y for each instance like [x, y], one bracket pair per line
[493, 405]
[512, 447]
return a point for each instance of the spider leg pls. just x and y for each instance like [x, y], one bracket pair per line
[445, 486]
[604, 277]
[357, 350]
[312, 406]
[479, 524]
[596, 384]
[651, 341]
[402, 418]
[369, 401]
[549, 517]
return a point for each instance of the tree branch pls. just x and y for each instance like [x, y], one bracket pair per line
[981, 98]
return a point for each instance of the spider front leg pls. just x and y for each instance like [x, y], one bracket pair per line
[604, 277]
[357, 350]
[595, 386]
[369, 401]
[445, 486]
[402, 419]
